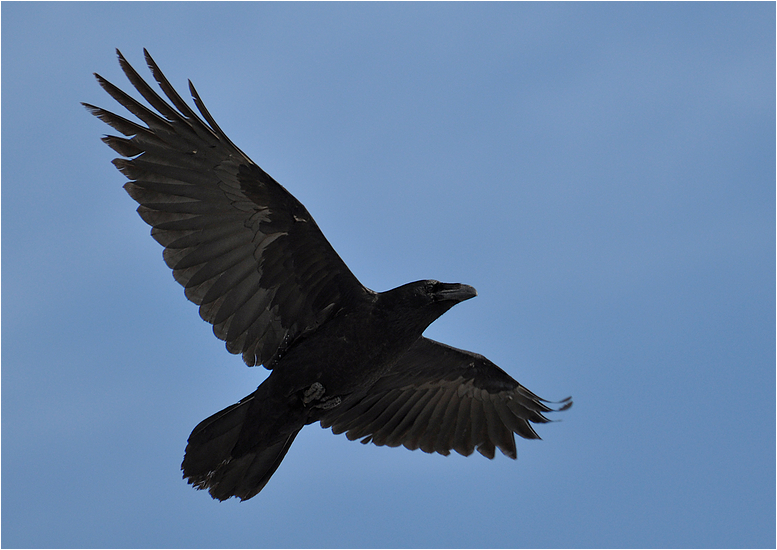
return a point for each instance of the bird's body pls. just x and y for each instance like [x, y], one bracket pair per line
[347, 354]
[251, 256]
[350, 350]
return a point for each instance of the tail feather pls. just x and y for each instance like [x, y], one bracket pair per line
[212, 441]
[246, 476]
[219, 458]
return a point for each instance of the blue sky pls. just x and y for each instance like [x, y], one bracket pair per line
[603, 174]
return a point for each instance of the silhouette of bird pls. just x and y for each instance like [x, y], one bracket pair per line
[263, 274]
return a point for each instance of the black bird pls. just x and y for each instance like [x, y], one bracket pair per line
[254, 260]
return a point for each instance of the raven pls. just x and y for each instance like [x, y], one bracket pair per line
[263, 274]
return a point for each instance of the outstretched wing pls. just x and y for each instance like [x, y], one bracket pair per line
[245, 250]
[439, 398]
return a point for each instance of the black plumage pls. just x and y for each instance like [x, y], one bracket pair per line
[255, 262]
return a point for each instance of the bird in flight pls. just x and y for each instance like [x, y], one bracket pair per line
[253, 259]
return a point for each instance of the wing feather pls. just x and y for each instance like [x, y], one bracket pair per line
[419, 399]
[415, 436]
[383, 433]
[245, 250]
[438, 398]
[462, 437]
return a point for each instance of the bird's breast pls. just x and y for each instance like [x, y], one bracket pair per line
[343, 356]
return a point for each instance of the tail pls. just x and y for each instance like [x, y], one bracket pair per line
[226, 456]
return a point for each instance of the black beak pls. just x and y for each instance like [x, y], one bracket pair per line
[455, 292]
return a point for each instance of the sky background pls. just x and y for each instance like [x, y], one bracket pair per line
[603, 174]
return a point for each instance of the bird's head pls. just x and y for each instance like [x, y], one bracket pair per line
[419, 303]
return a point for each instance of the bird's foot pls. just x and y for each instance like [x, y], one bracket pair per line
[313, 393]
[330, 403]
